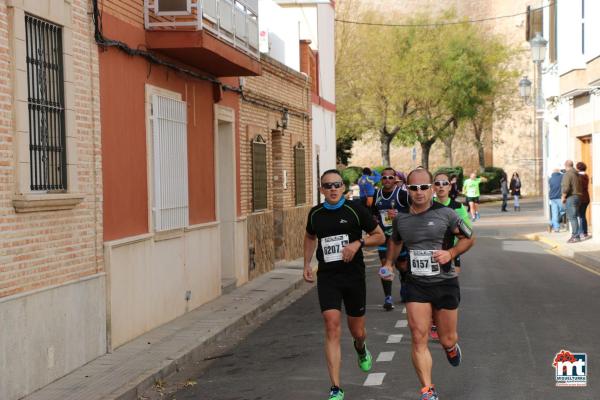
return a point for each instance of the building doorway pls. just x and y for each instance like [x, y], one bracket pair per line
[226, 193]
[586, 157]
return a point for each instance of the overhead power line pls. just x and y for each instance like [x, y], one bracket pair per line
[435, 24]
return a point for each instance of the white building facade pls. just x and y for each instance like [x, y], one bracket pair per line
[315, 21]
[571, 88]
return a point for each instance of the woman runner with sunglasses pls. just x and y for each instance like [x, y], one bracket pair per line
[442, 188]
[428, 230]
[335, 229]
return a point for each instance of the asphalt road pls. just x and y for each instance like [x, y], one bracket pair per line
[520, 306]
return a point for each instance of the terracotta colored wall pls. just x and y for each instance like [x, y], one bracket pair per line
[122, 90]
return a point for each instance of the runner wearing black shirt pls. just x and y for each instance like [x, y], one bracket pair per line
[335, 229]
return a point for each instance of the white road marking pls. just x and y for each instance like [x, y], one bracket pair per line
[402, 323]
[404, 310]
[375, 379]
[394, 339]
[385, 356]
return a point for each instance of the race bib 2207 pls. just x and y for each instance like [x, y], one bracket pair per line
[332, 247]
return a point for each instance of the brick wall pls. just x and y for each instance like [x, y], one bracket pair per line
[287, 88]
[42, 249]
[131, 11]
[280, 224]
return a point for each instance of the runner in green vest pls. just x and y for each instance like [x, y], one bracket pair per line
[442, 187]
[471, 192]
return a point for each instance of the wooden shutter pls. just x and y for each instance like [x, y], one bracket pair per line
[259, 174]
[535, 22]
[300, 173]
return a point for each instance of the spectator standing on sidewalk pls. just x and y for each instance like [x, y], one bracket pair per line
[504, 191]
[515, 189]
[571, 191]
[554, 194]
[454, 187]
[584, 201]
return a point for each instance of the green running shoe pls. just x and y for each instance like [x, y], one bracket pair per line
[365, 362]
[336, 393]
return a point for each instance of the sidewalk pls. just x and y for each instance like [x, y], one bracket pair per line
[134, 367]
[586, 253]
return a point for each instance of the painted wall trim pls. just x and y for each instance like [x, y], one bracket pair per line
[45, 289]
[113, 244]
[202, 226]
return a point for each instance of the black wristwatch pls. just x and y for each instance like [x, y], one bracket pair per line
[362, 242]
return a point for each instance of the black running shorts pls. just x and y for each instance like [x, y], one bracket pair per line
[333, 288]
[473, 199]
[443, 295]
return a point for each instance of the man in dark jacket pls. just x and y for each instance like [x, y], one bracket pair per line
[571, 190]
[554, 195]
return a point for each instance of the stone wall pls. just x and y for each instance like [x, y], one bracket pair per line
[290, 226]
[260, 243]
[367, 152]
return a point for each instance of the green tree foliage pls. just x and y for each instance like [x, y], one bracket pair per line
[416, 84]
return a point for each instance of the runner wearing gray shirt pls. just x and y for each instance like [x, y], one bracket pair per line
[428, 231]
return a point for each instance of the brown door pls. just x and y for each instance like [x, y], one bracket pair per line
[586, 157]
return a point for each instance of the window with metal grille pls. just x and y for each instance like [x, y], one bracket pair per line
[299, 173]
[46, 104]
[259, 174]
[169, 133]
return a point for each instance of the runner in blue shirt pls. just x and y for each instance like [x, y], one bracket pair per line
[366, 184]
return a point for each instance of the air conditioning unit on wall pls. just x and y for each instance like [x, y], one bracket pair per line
[173, 7]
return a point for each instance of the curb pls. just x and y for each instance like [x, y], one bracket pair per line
[193, 354]
[580, 257]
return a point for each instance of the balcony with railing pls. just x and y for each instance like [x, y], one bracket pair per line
[217, 36]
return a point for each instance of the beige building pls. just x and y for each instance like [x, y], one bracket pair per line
[510, 143]
[52, 280]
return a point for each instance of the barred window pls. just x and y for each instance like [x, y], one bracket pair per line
[259, 174]
[300, 173]
[46, 104]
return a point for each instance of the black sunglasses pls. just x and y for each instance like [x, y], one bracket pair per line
[423, 187]
[441, 183]
[332, 185]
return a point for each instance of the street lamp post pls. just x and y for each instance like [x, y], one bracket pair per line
[538, 54]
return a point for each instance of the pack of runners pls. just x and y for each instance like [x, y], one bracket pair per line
[421, 238]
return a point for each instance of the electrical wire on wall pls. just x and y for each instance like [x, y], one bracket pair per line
[152, 58]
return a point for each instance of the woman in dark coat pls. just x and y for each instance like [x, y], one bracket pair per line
[584, 201]
[515, 189]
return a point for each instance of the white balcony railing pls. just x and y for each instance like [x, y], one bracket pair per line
[233, 21]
